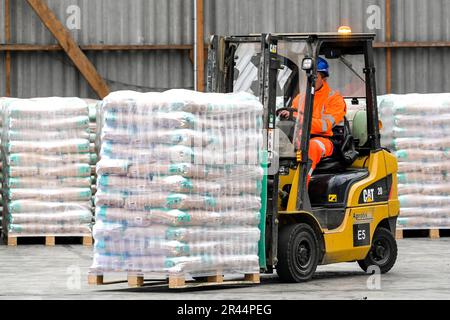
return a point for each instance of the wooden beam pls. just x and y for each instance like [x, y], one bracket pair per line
[71, 48]
[412, 44]
[191, 56]
[200, 58]
[188, 47]
[8, 54]
[108, 47]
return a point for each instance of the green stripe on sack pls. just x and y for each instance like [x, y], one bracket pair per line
[182, 248]
[103, 180]
[210, 201]
[187, 184]
[402, 154]
[173, 199]
[13, 182]
[83, 147]
[84, 169]
[184, 217]
[93, 158]
[401, 177]
[101, 213]
[172, 233]
[14, 159]
[177, 168]
[86, 193]
[14, 206]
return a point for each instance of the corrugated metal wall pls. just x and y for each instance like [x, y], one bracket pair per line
[111, 21]
[423, 70]
[46, 74]
[103, 22]
[251, 16]
[171, 22]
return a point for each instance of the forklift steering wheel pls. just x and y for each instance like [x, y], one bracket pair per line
[291, 113]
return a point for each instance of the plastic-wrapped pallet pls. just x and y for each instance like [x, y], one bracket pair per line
[179, 183]
[46, 160]
[417, 128]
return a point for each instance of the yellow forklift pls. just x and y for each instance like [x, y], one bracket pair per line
[350, 208]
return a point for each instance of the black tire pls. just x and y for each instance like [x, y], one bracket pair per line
[298, 253]
[383, 252]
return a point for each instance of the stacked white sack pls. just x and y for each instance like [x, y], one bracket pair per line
[179, 183]
[47, 173]
[417, 128]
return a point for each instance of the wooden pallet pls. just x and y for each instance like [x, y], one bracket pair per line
[180, 282]
[49, 240]
[430, 233]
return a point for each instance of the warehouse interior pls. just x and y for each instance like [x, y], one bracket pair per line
[107, 107]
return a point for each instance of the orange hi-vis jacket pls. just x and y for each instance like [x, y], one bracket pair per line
[329, 110]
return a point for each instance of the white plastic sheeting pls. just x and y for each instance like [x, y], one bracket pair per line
[179, 183]
[417, 128]
[46, 156]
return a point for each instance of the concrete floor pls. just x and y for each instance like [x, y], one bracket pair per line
[38, 272]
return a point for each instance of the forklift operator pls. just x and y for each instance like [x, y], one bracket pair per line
[329, 109]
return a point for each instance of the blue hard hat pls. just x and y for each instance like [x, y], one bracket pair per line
[322, 66]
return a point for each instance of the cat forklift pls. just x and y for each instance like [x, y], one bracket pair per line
[349, 210]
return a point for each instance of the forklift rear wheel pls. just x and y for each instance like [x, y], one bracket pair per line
[298, 253]
[383, 252]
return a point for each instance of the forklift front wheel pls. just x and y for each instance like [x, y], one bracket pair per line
[383, 252]
[298, 253]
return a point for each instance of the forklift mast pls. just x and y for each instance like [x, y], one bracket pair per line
[220, 78]
[222, 75]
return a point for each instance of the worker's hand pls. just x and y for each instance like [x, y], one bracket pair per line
[284, 114]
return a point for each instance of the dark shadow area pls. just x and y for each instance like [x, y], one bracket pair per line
[59, 240]
[424, 233]
[161, 286]
[416, 233]
[321, 275]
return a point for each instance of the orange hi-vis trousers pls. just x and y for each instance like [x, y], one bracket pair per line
[318, 148]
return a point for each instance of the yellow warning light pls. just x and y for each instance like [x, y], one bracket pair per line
[344, 30]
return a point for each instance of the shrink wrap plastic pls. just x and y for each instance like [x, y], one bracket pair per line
[46, 158]
[179, 183]
[416, 127]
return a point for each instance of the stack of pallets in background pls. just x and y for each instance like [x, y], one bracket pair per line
[46, 169]
[178, 186]
[417, 128]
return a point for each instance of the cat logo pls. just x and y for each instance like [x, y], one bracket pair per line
[368, 195]
[273, 48]
[332, 198]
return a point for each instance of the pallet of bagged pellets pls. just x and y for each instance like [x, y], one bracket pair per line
[46, 160]
[416, 127]
[179, 186]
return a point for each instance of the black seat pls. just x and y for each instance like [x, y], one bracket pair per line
[344, 153]
[322, 185]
